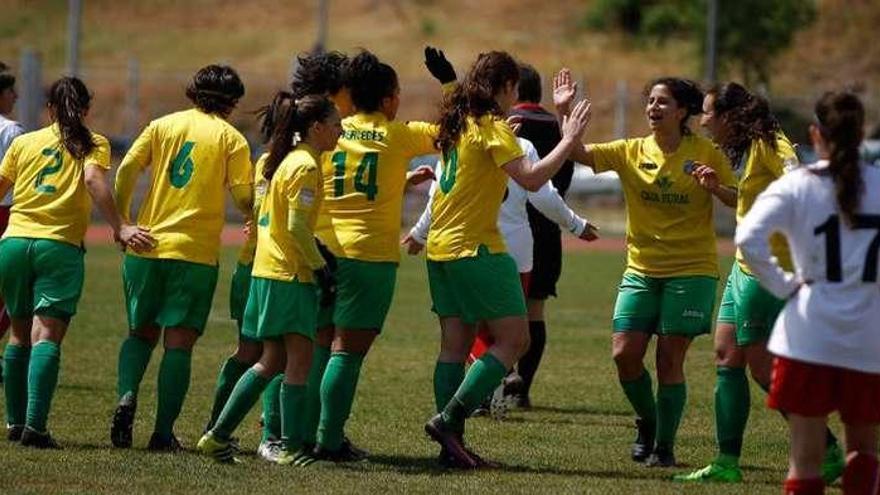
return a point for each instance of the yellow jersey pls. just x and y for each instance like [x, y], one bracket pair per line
[464, 209]
[762, 166]
[295, 185]
[364, 183]
[194, 157]
[669, 227]
[246, 255]
[50, 200]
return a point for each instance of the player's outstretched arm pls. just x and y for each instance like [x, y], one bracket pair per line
[564, 92]
[137, 238]
[439, 66]
[532, 176]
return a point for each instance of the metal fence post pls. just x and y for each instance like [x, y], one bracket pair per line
[31, 90]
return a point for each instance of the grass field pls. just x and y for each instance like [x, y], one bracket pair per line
[575, 440]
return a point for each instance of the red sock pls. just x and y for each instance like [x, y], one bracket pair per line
[481, 344]
[812, 486]
[860, 477]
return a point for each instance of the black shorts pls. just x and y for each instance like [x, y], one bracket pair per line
[547, 251]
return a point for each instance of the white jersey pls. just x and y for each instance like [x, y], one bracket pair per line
[9, 130]
[513, 220]
[832, 319]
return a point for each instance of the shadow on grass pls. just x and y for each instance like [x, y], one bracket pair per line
[580, 410]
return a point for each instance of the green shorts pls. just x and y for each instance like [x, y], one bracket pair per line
[40, 277]
[238, 291]
[749, 306]
[478, 288]
[364, 290]
[325, 313]
[276, 308]
[168, 293]
[666, 306]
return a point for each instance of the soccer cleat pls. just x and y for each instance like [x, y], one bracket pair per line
[37, 440]
[13, 432]
[347, 452]
[714, 472]
[513, 384]
[159, 443]
[270, 450]
[661, 457]
[301, 458]
[644, 444]
[451, 442]
[500, 403]
[220, 450]
[833, 464]
[522, 401]
[123, 422]
[484, 409]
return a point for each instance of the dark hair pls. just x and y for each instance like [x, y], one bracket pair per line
[370, 81]
[686, 93]
[475, 96]
[7, 80]
[840, 118]
[269, 114]
[319, 74]
[69, 100]
[215, 89]
[529, 84]
[747, 116]
[293, 116]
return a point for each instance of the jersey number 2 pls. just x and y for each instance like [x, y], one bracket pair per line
[52, 168]
[831, 229]
[364, 176]
[181, 170]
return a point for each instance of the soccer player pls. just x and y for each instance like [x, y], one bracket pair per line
[364, 182]
[9, 130]
[282, 305]
[541, 128]
[825, 341]
[193, 157]
[669, 178]
[742, 125]
[471, 276]
[53, 173]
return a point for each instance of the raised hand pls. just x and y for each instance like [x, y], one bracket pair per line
[574, 125]
[438, 65]
[564, 91]
[706, 176]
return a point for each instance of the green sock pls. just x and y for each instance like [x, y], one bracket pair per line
[670, 407]
[15, 382]
[312, 413]
[134, 356]
[242, 399]
[447, 379]
[174, 375]
[640, 393]
[483, 376]
[229, 374]
[293, 404]
[731, 411]
[272, 409]
[337, 395]
[42, 379]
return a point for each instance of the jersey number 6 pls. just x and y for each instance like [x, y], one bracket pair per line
[181, 170]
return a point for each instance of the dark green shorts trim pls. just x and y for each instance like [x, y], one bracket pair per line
[666, 306]
[480, 288]
[749, 306]
[168, 293]
[276, 308]
[41, 276]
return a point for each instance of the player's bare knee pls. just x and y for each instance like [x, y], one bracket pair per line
[180, 338]
[248, 352]
[149, 334]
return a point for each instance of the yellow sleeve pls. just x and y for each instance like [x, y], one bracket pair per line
[140, 153]
[9, 166]
[421, 138]
[609, 156]
[501, 143]
[137, 159]
[243, 197]
[448, 88]
[301, 197]
[784, 158]
[718, 161]
[239, 170]
[100, 156]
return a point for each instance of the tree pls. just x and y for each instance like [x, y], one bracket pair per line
[750, 32]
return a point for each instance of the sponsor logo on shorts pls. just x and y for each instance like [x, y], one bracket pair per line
[692, 313]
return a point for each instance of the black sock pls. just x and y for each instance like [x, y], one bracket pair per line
[528, 364]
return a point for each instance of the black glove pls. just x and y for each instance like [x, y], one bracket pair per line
[327, 283]
[438, 66]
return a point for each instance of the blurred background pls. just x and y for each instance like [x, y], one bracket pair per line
[137, 56]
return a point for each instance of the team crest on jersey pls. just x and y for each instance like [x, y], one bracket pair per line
[664, 183]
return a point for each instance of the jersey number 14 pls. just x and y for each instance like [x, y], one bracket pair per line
[364, 176]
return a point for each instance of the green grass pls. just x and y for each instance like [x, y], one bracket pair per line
[576, 440]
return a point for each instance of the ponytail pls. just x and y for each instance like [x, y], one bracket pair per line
[841, 119]
[292, 120]
[69, 100]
